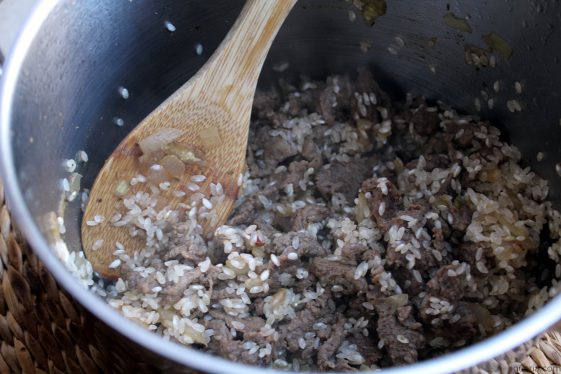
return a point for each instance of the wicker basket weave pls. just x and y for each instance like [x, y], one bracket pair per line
[43, 330]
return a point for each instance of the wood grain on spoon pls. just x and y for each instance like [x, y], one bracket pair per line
[208, 119]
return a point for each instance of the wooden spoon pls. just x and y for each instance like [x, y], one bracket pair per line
[204, 125]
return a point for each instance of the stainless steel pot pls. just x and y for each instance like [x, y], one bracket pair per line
[60, 95]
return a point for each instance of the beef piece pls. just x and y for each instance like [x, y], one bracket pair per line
[304, 321]
[251, 330]
[263, 224]
[391, 201]
[402, 340]
[342, 177]
[436, 144]
[395, 258]
[295, 105]
[403, 313]
[343, 366]
[275, 148]
[447, 286]
[432, 161]
[222, 292]
[426, 121]
[372, 253]
[340, 272]
[337, 90]
[174, 291]
[289, 267]
[472, 317]
[404, 277]
[244, 213]
[365, 82]
[327, 351]
[247, 211]
[282, 223]
[191, 251]
[295, 173]
[258, 304]
[309, 214]
[343, 91]
[459, 136]
[136, 282]
[326, 100]
[461, 218]
[308, 245]
[467, 251]
[223, 343]
[354, 251]
[467, 326]
[265, 103]
[310, 150]
[367, 347]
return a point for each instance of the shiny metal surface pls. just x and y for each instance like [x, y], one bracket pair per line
[60, 95]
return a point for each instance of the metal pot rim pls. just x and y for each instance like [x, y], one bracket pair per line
[461, 359]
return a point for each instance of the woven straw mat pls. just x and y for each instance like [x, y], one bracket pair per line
[43, 330]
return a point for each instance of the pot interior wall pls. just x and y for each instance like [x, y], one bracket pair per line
[67, 96]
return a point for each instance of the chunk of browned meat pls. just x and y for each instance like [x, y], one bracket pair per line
[250, 323]
[307, 243]
[247, 211]
[408, 283]
[367, 347]
[223, 343]
[337, 90]
[402, 343]
[195, 276]
[265, 103]
[326, 100]
[459, 136]
[137, 282]
[467, 252]
[291, 267]
[277, 150]
[366, 83]
[326, 352]
[432, 161]
[309, 214]
[295, 173]
[251, 329]
[339, 272]
[446, 284]
[191, 251]
[391, 201]
[342, 177]
[461, 218]
[353, 251]
[310, 150]
[304, 321]
[425, 120]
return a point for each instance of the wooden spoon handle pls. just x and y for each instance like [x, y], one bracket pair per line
[234, 68]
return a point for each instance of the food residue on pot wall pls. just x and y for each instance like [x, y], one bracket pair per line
[455, 22]
[371, 9]
[498, 44]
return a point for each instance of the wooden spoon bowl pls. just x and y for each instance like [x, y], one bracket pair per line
[202, 129]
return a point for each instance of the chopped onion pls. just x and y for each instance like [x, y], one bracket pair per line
[183, 152]
[173, 166]
[158, 140]
[122, 188]
[156, 174]
[397, 300]
[210, 137]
